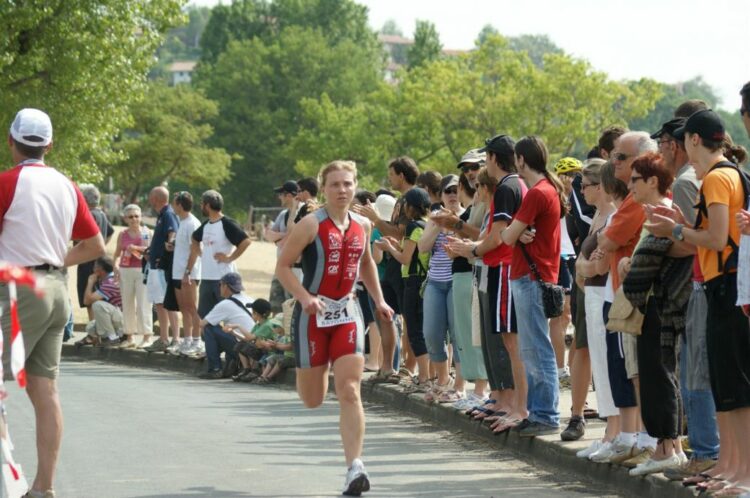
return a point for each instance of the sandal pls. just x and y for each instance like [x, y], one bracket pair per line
[505, 427]
[696, 479]
[261, 380]
[87, 341]
[475, 409]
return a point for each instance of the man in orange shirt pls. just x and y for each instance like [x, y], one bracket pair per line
[617, 244]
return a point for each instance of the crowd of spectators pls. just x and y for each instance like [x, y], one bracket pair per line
[640, 249]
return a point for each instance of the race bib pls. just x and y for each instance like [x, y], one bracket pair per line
[336, 312]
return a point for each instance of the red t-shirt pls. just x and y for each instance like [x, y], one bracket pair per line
[540, 209]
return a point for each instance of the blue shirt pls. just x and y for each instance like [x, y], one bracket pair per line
[166, 222]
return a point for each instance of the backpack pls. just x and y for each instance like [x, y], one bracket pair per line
[731, 262]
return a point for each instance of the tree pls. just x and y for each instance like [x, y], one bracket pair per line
[426, 47]
[182, 42]
[260, 85]
[83, 62]
[442, 108]
[391, 28]
[487, 31]
[535, 46]
[240, 20]
[168, 142]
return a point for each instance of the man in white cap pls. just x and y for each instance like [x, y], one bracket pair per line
[35, 231]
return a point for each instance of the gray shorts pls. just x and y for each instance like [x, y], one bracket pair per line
[43, 320]
[696, 374]
[208, 296]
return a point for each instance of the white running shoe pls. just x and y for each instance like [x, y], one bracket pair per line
[357, 480]
[652, 466]
[603, 454]
[593, 448]
[185, 347]
[174, 348]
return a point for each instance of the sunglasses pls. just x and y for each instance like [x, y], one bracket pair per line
[465, 168]
[584, 186]
[451, 190]
[634, 179]
[621, 156]
[133, 217]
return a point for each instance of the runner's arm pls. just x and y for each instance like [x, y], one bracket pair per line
[302, 234]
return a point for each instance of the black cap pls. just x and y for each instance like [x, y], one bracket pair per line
[289, 187]
[501, 144]
[417, 197]
[707, 124]
[669, 127]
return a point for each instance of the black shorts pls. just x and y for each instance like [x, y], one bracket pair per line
[364, 303]
[393, 293]
[177, 283]
[249, 350]
[728, 344]
[565, 275]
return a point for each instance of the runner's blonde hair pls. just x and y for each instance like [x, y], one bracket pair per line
[338, 165]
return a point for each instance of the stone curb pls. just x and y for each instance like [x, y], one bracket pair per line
[544, 451]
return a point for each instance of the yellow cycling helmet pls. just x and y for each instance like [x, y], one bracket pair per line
[568, 164]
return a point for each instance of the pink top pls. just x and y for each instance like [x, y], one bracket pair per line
[128, 259]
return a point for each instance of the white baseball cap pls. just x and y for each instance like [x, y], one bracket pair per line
[32, 127]
[384, 205]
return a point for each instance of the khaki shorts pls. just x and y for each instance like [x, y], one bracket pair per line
[630, 348]
[42, 322]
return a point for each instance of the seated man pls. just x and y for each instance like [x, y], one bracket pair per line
[102, 294]
[233, 308]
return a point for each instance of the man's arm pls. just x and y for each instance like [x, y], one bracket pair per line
[239, 249]
[86, 250]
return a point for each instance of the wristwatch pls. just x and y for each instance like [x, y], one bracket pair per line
[458, 225]
[474, 251]
[677, 232]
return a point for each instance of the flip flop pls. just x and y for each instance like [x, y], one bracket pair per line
[475, 409]
[368, 369]
[696, 479]
[508, 425]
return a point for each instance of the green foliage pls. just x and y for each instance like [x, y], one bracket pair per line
[260, 86]
[181, 43]
[168, 142]
[83, 62]
[391, 28]
[443, 108]
[426, 47]
[240, 20]
[535, 46]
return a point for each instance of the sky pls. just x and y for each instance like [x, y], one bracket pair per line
[667, 40]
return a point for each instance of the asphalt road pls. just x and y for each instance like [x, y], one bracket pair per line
[149, 434]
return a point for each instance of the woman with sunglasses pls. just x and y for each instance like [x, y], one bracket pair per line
[128, 262]
[438, 325]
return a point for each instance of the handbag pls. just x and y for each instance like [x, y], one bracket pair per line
[623, 316]
[553, 295]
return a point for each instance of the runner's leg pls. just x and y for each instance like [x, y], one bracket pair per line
[347, 375]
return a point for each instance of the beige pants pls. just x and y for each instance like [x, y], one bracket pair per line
[107, 319]
[630, 348]
[42, 322]
[136, 309]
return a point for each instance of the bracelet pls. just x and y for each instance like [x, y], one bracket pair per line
[474, 251]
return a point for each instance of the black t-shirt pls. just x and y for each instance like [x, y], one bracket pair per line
[578, 219]
[462, 265]
[303, 211]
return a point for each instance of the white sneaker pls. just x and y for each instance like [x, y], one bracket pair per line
[185, 347]
[174, 348]
[469, 401]
[683, 458]
[652, 466]
[603, 454]
[593, 448]
[357, 480]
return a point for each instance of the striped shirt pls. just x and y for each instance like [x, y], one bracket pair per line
[441, 265]
[110, 290]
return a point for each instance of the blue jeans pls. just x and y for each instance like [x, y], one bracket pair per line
[217, 341]
[438, 323]
[537, 353]
[700, 411]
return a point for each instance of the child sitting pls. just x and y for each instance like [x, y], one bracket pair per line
[255, 343]
[281, 358]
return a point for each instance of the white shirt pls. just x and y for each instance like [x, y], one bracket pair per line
[41, 210]
[566, 245]
[229, 312]
[221, 236]
[182, 243]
